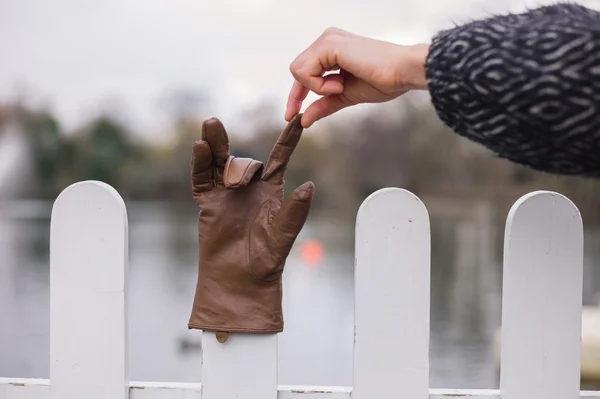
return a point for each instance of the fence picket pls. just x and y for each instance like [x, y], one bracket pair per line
[88, 263]
[542, 299]
[245, 366]
[541, 313]
[391, 343]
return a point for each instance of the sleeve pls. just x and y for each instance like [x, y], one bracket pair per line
[526, 86]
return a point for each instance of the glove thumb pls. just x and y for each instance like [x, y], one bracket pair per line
[240, 171]
[291, 217]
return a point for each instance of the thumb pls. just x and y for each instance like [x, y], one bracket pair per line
[323, 107]
[291, 217]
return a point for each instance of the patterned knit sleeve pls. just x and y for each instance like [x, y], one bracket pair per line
[526, 86]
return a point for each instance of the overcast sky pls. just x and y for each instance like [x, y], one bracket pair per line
[79, 55]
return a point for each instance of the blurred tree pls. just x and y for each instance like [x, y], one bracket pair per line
[408, 147]
[48, 148]
[104, 152]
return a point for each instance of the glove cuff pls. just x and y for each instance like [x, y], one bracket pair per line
[194, 326]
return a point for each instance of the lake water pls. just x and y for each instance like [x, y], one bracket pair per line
[316, 346]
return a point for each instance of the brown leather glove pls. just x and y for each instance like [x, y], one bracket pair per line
[245, 232]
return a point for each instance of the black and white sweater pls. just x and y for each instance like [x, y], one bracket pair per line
[526, 86]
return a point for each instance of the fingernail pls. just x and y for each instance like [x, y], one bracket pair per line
[306, 192]
[309, 189]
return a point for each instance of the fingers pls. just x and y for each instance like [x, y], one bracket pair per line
[308, 68]
[202, 173]
[322, 108]
[311, 78]
[332, 84]
[296, 97]
[282, 151]
[320, 57]
[214, 133]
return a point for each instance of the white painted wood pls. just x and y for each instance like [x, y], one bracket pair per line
[244, 367]
[313, 392]
[541, 309]
[392, 286]
[24, 388]
[164, 390]
[542, 299]
[464, 393]
[40, 389]
[18, 388]
[88, 263]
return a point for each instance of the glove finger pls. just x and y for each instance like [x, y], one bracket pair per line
[240, 171]
[291, 217]
[283, 149]
[202, 174]
[215, 134]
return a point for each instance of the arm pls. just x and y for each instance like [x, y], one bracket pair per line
[526, 86]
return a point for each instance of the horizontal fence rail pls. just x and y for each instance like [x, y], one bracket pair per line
[40, 388]
[541, 316]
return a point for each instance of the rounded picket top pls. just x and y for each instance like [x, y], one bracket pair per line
[394, 197]
[392, 296]
[540, 203]
[542, 298]
[93, 191]
[88, 271]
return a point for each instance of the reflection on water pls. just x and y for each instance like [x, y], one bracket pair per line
[316, 346]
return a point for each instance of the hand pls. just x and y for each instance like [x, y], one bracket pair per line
[245, 232]
[370, 71]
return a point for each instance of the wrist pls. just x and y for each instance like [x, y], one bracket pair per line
[416, 58]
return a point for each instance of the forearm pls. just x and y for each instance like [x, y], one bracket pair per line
[526, 86]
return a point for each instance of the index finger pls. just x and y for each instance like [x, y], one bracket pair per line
[297, 95]
[283, 149]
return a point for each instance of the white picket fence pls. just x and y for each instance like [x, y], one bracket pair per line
[541, 316]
